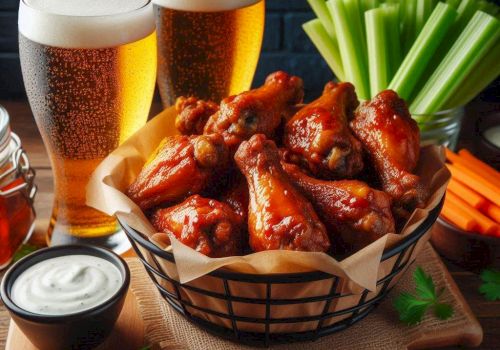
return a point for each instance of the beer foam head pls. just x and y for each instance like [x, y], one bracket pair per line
[85, 23]
[205, 5]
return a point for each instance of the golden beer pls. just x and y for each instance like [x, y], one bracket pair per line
[207, 48]
[88, 93]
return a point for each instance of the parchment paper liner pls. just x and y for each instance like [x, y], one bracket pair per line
[357, 272]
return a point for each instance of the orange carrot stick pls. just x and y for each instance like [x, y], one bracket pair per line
[493, 211]
[477, 182]
[467, 194]
[485, 225]
[470, 162]
[478, 164]
[455, 215]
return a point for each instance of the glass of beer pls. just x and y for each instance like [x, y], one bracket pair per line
[89, 69]
[207, 48]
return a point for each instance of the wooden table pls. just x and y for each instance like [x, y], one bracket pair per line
[23, 124]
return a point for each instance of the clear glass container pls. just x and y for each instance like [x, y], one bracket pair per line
[441, 128]
[17, 191]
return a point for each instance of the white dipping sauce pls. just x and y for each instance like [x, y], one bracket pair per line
[66, 284]
[493, 135]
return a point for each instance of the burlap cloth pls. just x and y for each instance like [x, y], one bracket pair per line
[166, 329]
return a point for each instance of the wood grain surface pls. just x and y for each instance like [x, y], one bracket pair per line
[23, 124]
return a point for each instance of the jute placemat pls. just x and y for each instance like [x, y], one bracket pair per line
[166, 329]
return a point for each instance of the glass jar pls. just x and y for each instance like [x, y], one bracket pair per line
[17, 191]
[441, 128]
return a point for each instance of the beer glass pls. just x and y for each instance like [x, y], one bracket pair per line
[207, 48]
[89, 70]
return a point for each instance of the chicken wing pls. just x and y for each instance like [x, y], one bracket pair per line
[193, 114]
[354, 214]
[389, 134]
[206, 225]
[279, 217]
[257, 111]
[237, 197]
[180, 166]
[318, 137]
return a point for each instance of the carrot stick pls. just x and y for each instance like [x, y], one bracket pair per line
[493, 211]
[479, 165]
[485, 225]
[467, 194]
[477, 182]
[465, 158]
[454, 214]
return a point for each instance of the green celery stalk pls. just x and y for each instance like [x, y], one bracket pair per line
[352, 48]
[482, 32]
[423, 11]
[422, 51]
[408, 25]
[478, 79]
[326, 46]
[356, 20]
[453, 3]
[378, 63]
[369, 4]
[391, 14]
[321, 11]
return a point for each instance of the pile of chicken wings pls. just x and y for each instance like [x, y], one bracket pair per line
[262, 171]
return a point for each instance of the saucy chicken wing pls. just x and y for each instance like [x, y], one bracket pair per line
[180, 166]
[193, 114]
[279, 217]
[354, 213]
[257, 111]
[206, 225]
[237, 197]
[391, 137]
[318, 137]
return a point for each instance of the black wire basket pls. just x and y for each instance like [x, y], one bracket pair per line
[277, 308]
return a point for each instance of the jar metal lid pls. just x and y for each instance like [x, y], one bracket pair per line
[4, 128]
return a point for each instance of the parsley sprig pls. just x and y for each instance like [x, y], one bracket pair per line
[491, 284]
[412, 307]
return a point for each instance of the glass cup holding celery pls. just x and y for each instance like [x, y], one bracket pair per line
[436, 55]
[89, 71]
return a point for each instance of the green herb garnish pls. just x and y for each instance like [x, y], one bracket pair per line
[412, 308]
[23, 250]
[491, 284]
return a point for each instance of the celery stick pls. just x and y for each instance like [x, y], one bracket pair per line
[391, 14]
[482, 32]
[408, 25]
[377, 50]
[369, 4]
[478, 79]
[453, 3]
[423, 11]
[356, 21]
[325, 45]
[352, 48]
[421, 53]
[319, 8]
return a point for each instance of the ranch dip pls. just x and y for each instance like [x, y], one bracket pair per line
[66, 284]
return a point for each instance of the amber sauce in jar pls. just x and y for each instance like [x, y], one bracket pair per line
[17, 191]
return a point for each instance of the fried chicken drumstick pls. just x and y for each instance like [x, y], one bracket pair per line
[319, 139]
[180, 166]
[354, 213]
[206, 225]
[391, 137]
[258, 111]
[193, 114]
[279, 217]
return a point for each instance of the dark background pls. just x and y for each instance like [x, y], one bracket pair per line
[285, 47]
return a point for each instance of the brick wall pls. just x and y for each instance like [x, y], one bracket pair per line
[285, 47]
